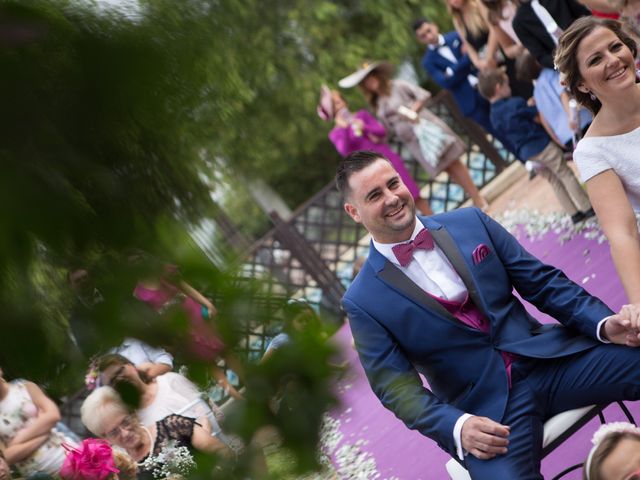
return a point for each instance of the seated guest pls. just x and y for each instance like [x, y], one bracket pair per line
[30, 441]
[152, 361]
[560, 119]
[519, 122]
[299, 316]
[106, 415]
[169, 393]
[615, 453]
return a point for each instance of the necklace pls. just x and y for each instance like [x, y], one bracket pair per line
[151, 443]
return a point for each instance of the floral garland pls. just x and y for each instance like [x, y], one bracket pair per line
[91, 377]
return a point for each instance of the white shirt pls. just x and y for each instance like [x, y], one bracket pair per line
[138, 352]
[446, 52]
[431, 271]
[177, 395]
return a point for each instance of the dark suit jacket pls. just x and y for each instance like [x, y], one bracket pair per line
[400, 331]
[533, 34]
[453, 75]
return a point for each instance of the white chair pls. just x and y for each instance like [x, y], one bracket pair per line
[556, 430]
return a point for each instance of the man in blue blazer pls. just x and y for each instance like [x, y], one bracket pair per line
[435, 296]
[451, 68]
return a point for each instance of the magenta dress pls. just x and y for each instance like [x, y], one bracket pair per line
[349, 139]
[205, 345]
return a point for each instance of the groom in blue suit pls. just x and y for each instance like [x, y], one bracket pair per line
[435, 296]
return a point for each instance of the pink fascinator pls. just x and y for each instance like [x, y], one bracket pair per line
[92, 461]
[325, 107]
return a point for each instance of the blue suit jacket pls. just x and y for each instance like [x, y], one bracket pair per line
[400, 331]
[455, 78]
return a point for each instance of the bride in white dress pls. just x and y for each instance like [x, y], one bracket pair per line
[597, 60]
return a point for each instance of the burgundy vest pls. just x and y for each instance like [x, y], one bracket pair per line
[470, 315]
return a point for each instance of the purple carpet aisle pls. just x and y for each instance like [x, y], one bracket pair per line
[365, 441]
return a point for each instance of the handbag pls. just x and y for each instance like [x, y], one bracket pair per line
[433, 141]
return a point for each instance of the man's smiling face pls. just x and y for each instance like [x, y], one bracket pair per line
[379, 200]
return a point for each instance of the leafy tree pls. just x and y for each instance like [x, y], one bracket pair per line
[109, 125]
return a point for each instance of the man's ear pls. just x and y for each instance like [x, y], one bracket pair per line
[352, 211]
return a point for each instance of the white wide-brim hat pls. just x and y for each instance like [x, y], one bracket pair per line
[359, 75]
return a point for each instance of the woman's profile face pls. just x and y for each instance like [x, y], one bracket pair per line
[623, 463]
[605, 63]
[115, 373]
[371, 83]
[456, 4]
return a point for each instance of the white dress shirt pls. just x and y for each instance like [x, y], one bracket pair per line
[431, 271]
[444, 50]
[138, 352]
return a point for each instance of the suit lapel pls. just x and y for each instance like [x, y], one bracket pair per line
[394, 277]
[451, 251]
[454, 44]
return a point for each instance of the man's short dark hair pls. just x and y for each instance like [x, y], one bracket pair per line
[416, 24]
[489, 79]
[354, 162]
[527, 67]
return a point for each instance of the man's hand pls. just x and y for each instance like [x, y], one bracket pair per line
[483, 438]
[623, 328]
[152, 370]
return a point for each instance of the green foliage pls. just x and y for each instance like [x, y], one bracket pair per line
[109, 123]
[274, 55]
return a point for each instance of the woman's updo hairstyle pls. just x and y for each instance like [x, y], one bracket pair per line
[566, 56]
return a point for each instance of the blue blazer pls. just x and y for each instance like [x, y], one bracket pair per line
[455, 78]
[400, 331]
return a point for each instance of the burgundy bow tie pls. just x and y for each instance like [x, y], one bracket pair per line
[404, 251]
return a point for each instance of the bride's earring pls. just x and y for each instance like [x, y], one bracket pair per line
[592, 96]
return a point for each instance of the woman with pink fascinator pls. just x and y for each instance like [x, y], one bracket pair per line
[361, 131]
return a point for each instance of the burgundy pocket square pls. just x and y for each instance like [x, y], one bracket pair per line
[480, 253]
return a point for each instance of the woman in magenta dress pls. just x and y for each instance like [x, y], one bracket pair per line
[361, 131]
[167, 290]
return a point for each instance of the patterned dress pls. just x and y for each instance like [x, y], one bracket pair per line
[405, 94]
[17, 410]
